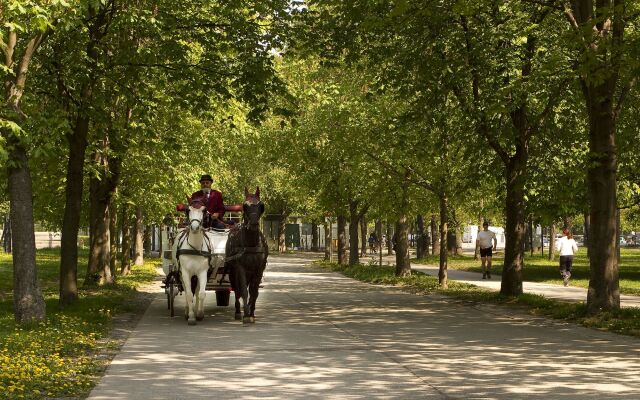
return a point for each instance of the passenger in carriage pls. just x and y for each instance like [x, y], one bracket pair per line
[212, 199]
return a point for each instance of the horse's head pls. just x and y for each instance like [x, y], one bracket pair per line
[196, 214]
[252, 208]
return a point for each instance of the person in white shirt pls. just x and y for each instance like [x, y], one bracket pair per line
[484, 242]
[567, 247]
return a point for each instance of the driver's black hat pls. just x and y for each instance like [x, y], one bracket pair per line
[206, 177]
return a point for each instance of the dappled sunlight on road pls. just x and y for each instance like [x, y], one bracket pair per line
[321, 335]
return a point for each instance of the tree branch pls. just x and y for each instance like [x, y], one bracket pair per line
[8, 52]
[633, 204]
[554, 97]
[623, 95]
[553, 4]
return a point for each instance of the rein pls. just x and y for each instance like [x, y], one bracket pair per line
[244, 249]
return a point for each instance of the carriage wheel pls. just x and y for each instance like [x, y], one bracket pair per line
[171, 298]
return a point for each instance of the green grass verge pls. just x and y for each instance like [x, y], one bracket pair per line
[538, 268]
[58, 357]
[625, 321]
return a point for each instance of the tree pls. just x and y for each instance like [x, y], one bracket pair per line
[25, 26]
[599, 29]
[196, 54]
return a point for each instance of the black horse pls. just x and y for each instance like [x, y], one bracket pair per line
[246, 256]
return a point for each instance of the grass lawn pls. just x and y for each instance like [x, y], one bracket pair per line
[57, 358]
[539, 269]
[625, 321]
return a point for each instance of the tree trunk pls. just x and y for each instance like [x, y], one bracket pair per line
[75, 165]
[451, 242]
[435, 236]
[458, 240]
[427, 240]
[282, 231]
[72, 210]
[125, 263]
[113, 235]
[389, 235]
[421, 243]
[101, 190]
[618, 234]
[363, 236]
[379, 238]
[354, 222]
[443, 278]
[527, 237]
[454, 238]
[98, 268]
[600, 63]
[146, 240]
[587, 232]
[403, 265]
[328, 241]
[604, 290]
[531, 234]
[342, 240]
[6, 235]
[552, 242]
[541, 240]
[476, 248]
[138, 238]
[28, 302]
[516, 172]
[314, 236]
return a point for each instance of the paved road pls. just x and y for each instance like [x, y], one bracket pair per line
[548, 290]
[320, 335]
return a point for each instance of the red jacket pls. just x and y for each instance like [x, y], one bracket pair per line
[214, 204]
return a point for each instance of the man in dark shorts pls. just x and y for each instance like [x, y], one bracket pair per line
[484, 242]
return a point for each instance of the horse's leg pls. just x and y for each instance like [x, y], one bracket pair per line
[233, 278]
[240, 290]
[243, 292]
[238, 315]
[245, 304]
[254, 289]
[201, 294]
[253, 296]
[188, 310]
[246, 300]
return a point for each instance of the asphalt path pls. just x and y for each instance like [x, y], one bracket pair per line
[321, 335]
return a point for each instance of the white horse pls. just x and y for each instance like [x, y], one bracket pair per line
[191, 253]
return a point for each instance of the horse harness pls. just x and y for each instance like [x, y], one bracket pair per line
[184, 236]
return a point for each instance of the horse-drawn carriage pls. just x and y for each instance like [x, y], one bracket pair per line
[218, 279]
[204, 255]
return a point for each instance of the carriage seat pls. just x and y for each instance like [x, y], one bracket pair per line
[229, 207]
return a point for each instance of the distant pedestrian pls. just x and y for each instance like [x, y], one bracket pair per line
[487, 242]
[567, 247]
[373, 243]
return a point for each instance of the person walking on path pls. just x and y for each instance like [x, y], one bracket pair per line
[373, 240]
[487, 242]
[567, 247]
